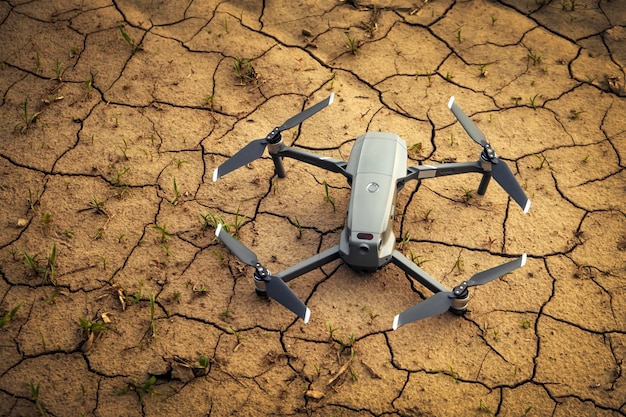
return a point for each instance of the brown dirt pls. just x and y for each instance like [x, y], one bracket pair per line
[93, 174]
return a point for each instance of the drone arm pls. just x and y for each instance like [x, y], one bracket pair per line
[324, 162]
[310, 264]
[416, 272]
[441, 170]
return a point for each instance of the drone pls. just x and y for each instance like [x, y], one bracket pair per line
[376, 171]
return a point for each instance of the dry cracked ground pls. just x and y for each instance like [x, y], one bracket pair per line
[117, 299]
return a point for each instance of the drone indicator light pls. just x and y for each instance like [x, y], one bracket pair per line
[331, 98]
[215, 174]
[523, 260]
[365, 236]
[307, 315]
[527, 207]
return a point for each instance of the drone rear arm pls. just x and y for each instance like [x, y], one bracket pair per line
[310, 264]
[278, 151]
[416, 272]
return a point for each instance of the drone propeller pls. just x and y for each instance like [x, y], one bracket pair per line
[255, 149]
[442, 301]
[499, 170]
[275, 287]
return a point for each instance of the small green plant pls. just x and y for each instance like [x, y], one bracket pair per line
[493, 20]
[458, 264]
[92, 327]
[449, 76]
[209, 101]
[4, 320]
[34, 393]
[300, 230]
[140, 388]
[352, 44]
[134, 45]
[426, 215]
[239, 219]
[468, 194]
[525, 323]
[327, 197]
[97, 205]
[164, 234]
[90, 330]
[238, 336]
[118, 179]
[203, 363]
[496, 335]
[47, 270]
[89, 82]
[417, 259]
[180, 163]
[534, 58]
[458, 35]
[27, 119]
[174, 201]
[59, 68]
[37, 62]
[33, 198]
[244, 70]
[417, 148]
[331, 330]
[453, 373]
[575, 114]
[46, 218]
[210, 219]
[532, 101]
[404, 241]
[482, 68]
[483, 407]
[124, 147]
[349, 344]
[543, 161]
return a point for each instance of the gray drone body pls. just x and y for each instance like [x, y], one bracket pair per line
[377, 162]
[376, 171]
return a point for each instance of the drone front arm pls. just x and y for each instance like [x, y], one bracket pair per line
[324, 162]
[430, 171]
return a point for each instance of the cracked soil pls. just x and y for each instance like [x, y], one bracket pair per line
[115, 113]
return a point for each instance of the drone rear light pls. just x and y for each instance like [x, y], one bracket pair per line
[365, 236]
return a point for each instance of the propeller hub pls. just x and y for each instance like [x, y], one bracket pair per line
[261, 273]
[489, 154]
[460, 291]
[274, 136]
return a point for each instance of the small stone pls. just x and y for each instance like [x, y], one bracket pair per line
[315, 394]
[22, 222]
